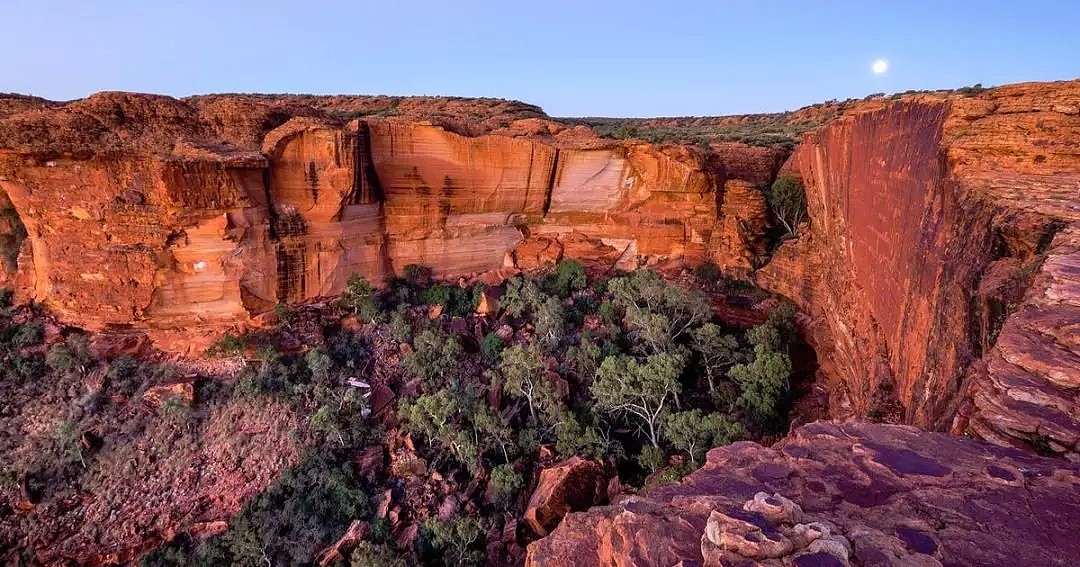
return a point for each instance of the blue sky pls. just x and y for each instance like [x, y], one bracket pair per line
[578, 58]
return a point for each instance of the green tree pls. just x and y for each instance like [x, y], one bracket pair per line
[762, 383]
[660, 312]
[695, 432]
[505, 484]
[435, 358]
[569, 276]
[651, 458]
[522, 370]
[642, 390]
[320, 364]
[359, 297]
[522, 296]
[549, 323]
[778, 331]
[400, 329]
[455, 540]
[429, 414]
[716, 350]
[787, 199]
[490, 430]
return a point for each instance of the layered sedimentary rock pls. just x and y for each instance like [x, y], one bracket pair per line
[839, 494]
[929, 218]
[152, 213]
[938, 267]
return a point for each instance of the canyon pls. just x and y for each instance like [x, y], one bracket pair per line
[938, 272]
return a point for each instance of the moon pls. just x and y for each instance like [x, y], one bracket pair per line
[879, 66]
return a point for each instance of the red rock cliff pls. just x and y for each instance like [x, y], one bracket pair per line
[930, 217]
[175, 216]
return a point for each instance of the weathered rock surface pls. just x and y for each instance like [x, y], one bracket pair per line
[929, 218]
[839, 494]
[184, 216]
[574, 484]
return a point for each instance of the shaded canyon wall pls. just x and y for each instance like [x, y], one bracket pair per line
[941, 263]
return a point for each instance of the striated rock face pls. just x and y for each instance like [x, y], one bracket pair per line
[929, 218]
[839, 494]
[178, 216]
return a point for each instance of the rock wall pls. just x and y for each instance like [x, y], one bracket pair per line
[838, 494]
[929, 218]
[184, 217]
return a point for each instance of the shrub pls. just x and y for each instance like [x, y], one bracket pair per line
[417, 275]
[491, 346]
[27, 334]
[72, 355]
[359, 297]
[505, 483]
[708, 275]
[569, 276]
[229, 343]
[29, 367]
[455, 300]
[400, 328]
[346, 350]
[607, 311]
[368, 554]
[122, 375]
[651, 458]
[319, 364]
[67, 441]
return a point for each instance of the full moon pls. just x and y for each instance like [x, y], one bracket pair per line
[879, 66]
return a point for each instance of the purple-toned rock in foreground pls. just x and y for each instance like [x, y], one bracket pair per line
[840, 494]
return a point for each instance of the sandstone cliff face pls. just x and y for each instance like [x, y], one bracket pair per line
[839, 494]
[929, 217]
[181, 217]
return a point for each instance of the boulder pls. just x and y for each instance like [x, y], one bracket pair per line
[183, 392]
[571, 485]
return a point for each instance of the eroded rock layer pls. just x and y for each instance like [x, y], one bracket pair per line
[839, 494]
[184, 216]
[931, 217]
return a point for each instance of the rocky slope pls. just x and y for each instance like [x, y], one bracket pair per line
[942, 238]
[169, 216]
[839, 494]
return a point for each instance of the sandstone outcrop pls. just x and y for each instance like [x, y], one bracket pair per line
[929, 218]
[184, 216]
[839, 494]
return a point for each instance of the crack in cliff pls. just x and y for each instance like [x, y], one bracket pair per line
[551, 182]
